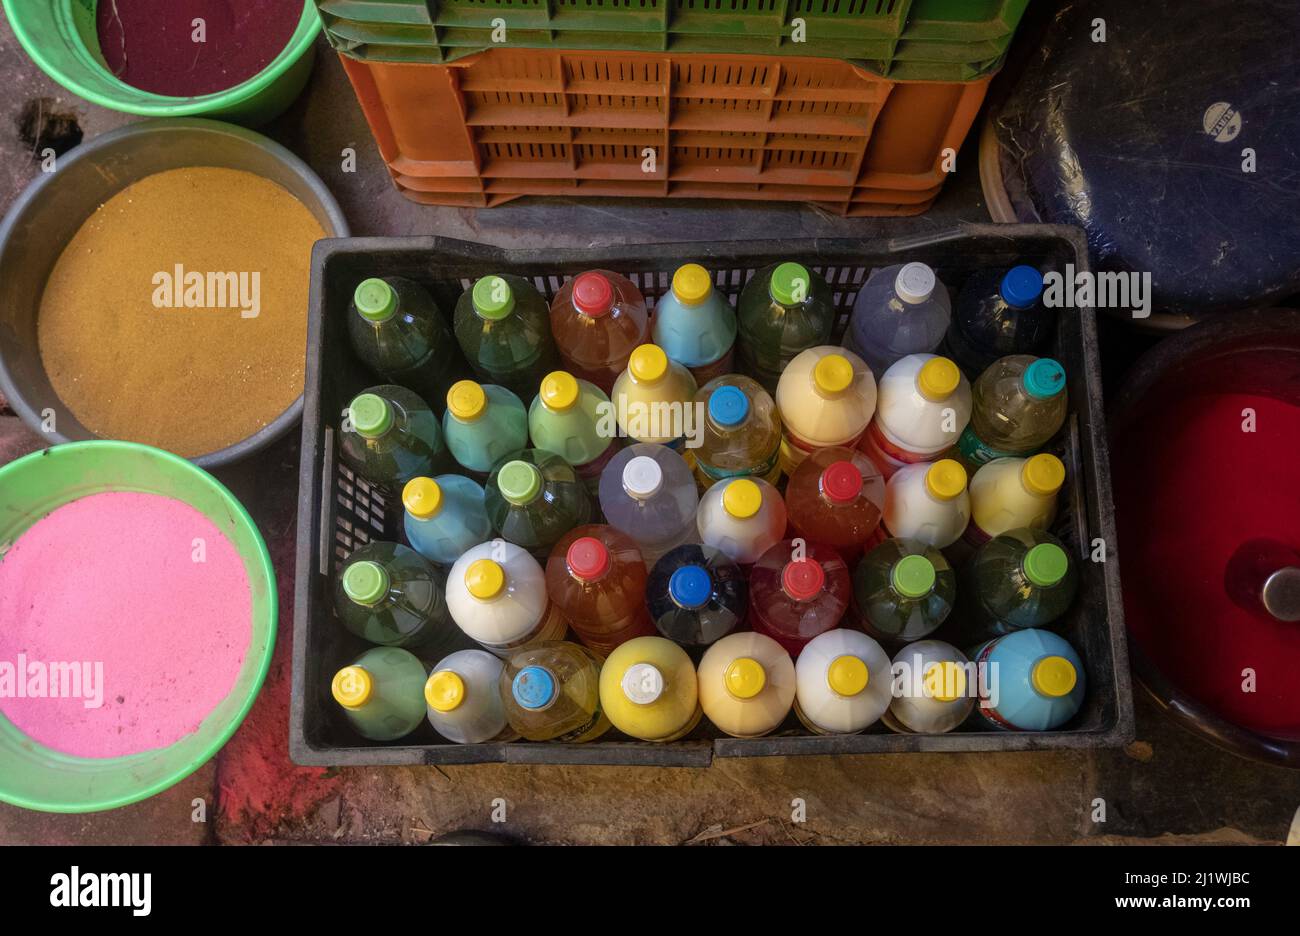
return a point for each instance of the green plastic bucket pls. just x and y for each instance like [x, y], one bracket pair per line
[60, 36]
[35, 777]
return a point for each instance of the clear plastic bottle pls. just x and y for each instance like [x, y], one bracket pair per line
[597, 578]
[653, 398]
[695, 325]
[928, 503]
[389, 436]
[935, 687]
[483, 424]
[647, 492]
[900, 310]
[381, 693]
[924, 403]
[697, 596]
[566, 418]
[390, 595]
[552, 693]
[1017, 580]
[1011, 493]
[463, 696]
[444, 516]
[649, 690]
[1039, 677]
[798, 594]
[1018, 403]
[998, 312]
[741, 435]
[503, 326]
[496, 593]
[903, 590]
[783, 310]
[843, 683]
[744, 517]
[837, 496]
[827, 397]
[747, 685]
[598, 318]
[534, 499]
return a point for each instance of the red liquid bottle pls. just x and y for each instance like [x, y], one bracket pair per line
[596, 577]
[598, 319]
[793, 600]
[837, 496]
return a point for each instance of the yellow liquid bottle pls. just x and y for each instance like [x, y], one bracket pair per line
[651, 397]
[1014, 493]
[649, 690]
[552, 693]
[747, 685]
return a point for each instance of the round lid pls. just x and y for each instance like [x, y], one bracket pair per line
[742, 498]
[833, 374]
[788, 280]
[375, 300]
[690, 587]
[913, 576]
[1281, 594]
[642, 683]
[559, 390]
[945, 681]
[915, 283]
[1044, 379]
[648, 363]
[847, 675]
[745, 677]
[588, 558]
[642, 477]
[422, 498]
[365, 582]
[938, 379]
[1046, 564]
[728, 406]
[593, 294]
[842, 482]
[803, 579]
[371, 414]
[1054, 676]
[533, 687]
[493, 298]
[1043, 474]
[466, 400]
[1021, 286]
[445, 691]
[692, 284]
[519, 482]
[485, 579]
[352, 687]
[946, 479]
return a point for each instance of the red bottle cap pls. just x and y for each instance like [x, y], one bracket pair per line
[803, 579]
[842, 482]
[588, 558]
[593, 295]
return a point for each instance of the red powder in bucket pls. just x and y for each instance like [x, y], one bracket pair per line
[111, 582]
[153, 44]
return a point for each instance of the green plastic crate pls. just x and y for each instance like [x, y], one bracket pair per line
[925, 40]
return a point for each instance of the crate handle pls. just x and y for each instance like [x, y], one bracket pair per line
[326, 498]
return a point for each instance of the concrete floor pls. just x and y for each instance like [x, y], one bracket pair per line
[1166, 787]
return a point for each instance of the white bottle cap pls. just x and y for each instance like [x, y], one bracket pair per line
[643, 683]
[642, 477]
[914, 283]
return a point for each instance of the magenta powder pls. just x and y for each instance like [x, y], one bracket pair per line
[111, 578]
[149, 44]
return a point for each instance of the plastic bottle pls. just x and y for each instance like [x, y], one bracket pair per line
[697, 596]
[843, 683]
[836, 496]
[649, 690]
[903, 590]
[1010, 493]
[496, 593]
[534, 499]
[390, 595]
[653, 398]
[463, 696]
[444, 516]
[783, 311]
[598, 318]
[1038, 677]
[381, 693]
[397, 331]
[596, 577]
[695, 325]
[924, 403]
[743, 517]
[566, 418]
[503, 327]
[1018, 403]
[827, 397]
[552, 693]
[647, 493]
[741, 435]
[1017, 580]
[796, 595]
[998, 312]
[747, 685]
[389, 436]
[934, 688]
[900, 310]
[928, 503]
[483, 424]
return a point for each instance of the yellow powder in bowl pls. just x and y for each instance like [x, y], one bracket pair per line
[177, 315]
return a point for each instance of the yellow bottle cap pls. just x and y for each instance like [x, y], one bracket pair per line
[691, 284]
[444, 691]
[833, 374]
[559, 390]
[847, 675]
[352, 687]
[1054, 676]
[938, 379]
[946, 479]
[945, 682]
[1043, 475]
[484, 579]
[648, 363]
[742, 498]
[745, 678]
[466, 400]
[422, 498]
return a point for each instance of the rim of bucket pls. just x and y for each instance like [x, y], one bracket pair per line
[304, 36]
[265, 568]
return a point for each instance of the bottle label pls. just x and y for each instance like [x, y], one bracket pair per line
[761, 470]
[577, 734]
[981, 660]
[896, 453]
[976, 451]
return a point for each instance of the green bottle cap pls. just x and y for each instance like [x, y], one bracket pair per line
[493, 298]
[375, 300]
[372, 416]
[913, 576]
[365, 582]
[789, 279]
[1046, 564]
[519, 482]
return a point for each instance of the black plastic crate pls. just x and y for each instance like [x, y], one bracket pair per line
[338, 512]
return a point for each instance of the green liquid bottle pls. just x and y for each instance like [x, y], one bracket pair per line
[503, 326]
[1023, 578]
[390, 595]
[389, 436]
[903, 590]
[381, 693]
[552, 693]
[784, 310]
[1017, 405]
[535, 499]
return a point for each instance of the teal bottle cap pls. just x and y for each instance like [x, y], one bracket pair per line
[789, 280]
[493, 298]
[913, 576]
[1044, 379]
[533, 687]
[371, 414]
[365, 582]
[1046, 564]
[375, 300]
[519, 482]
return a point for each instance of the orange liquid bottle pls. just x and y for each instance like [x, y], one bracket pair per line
[837, 497]
[596, 577]
[598, 318]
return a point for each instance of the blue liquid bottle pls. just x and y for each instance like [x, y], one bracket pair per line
[697, 596]
[445, 516]
[1034, 681]
[999, 313]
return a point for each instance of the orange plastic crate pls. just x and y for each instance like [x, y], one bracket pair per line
[510, 122]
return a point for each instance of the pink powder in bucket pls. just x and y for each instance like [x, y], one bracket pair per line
[140, 588]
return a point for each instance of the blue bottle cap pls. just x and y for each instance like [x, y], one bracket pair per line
[533, 687]
[1044, 379]
[1021, 286]
[691, 587]
[728, 406]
